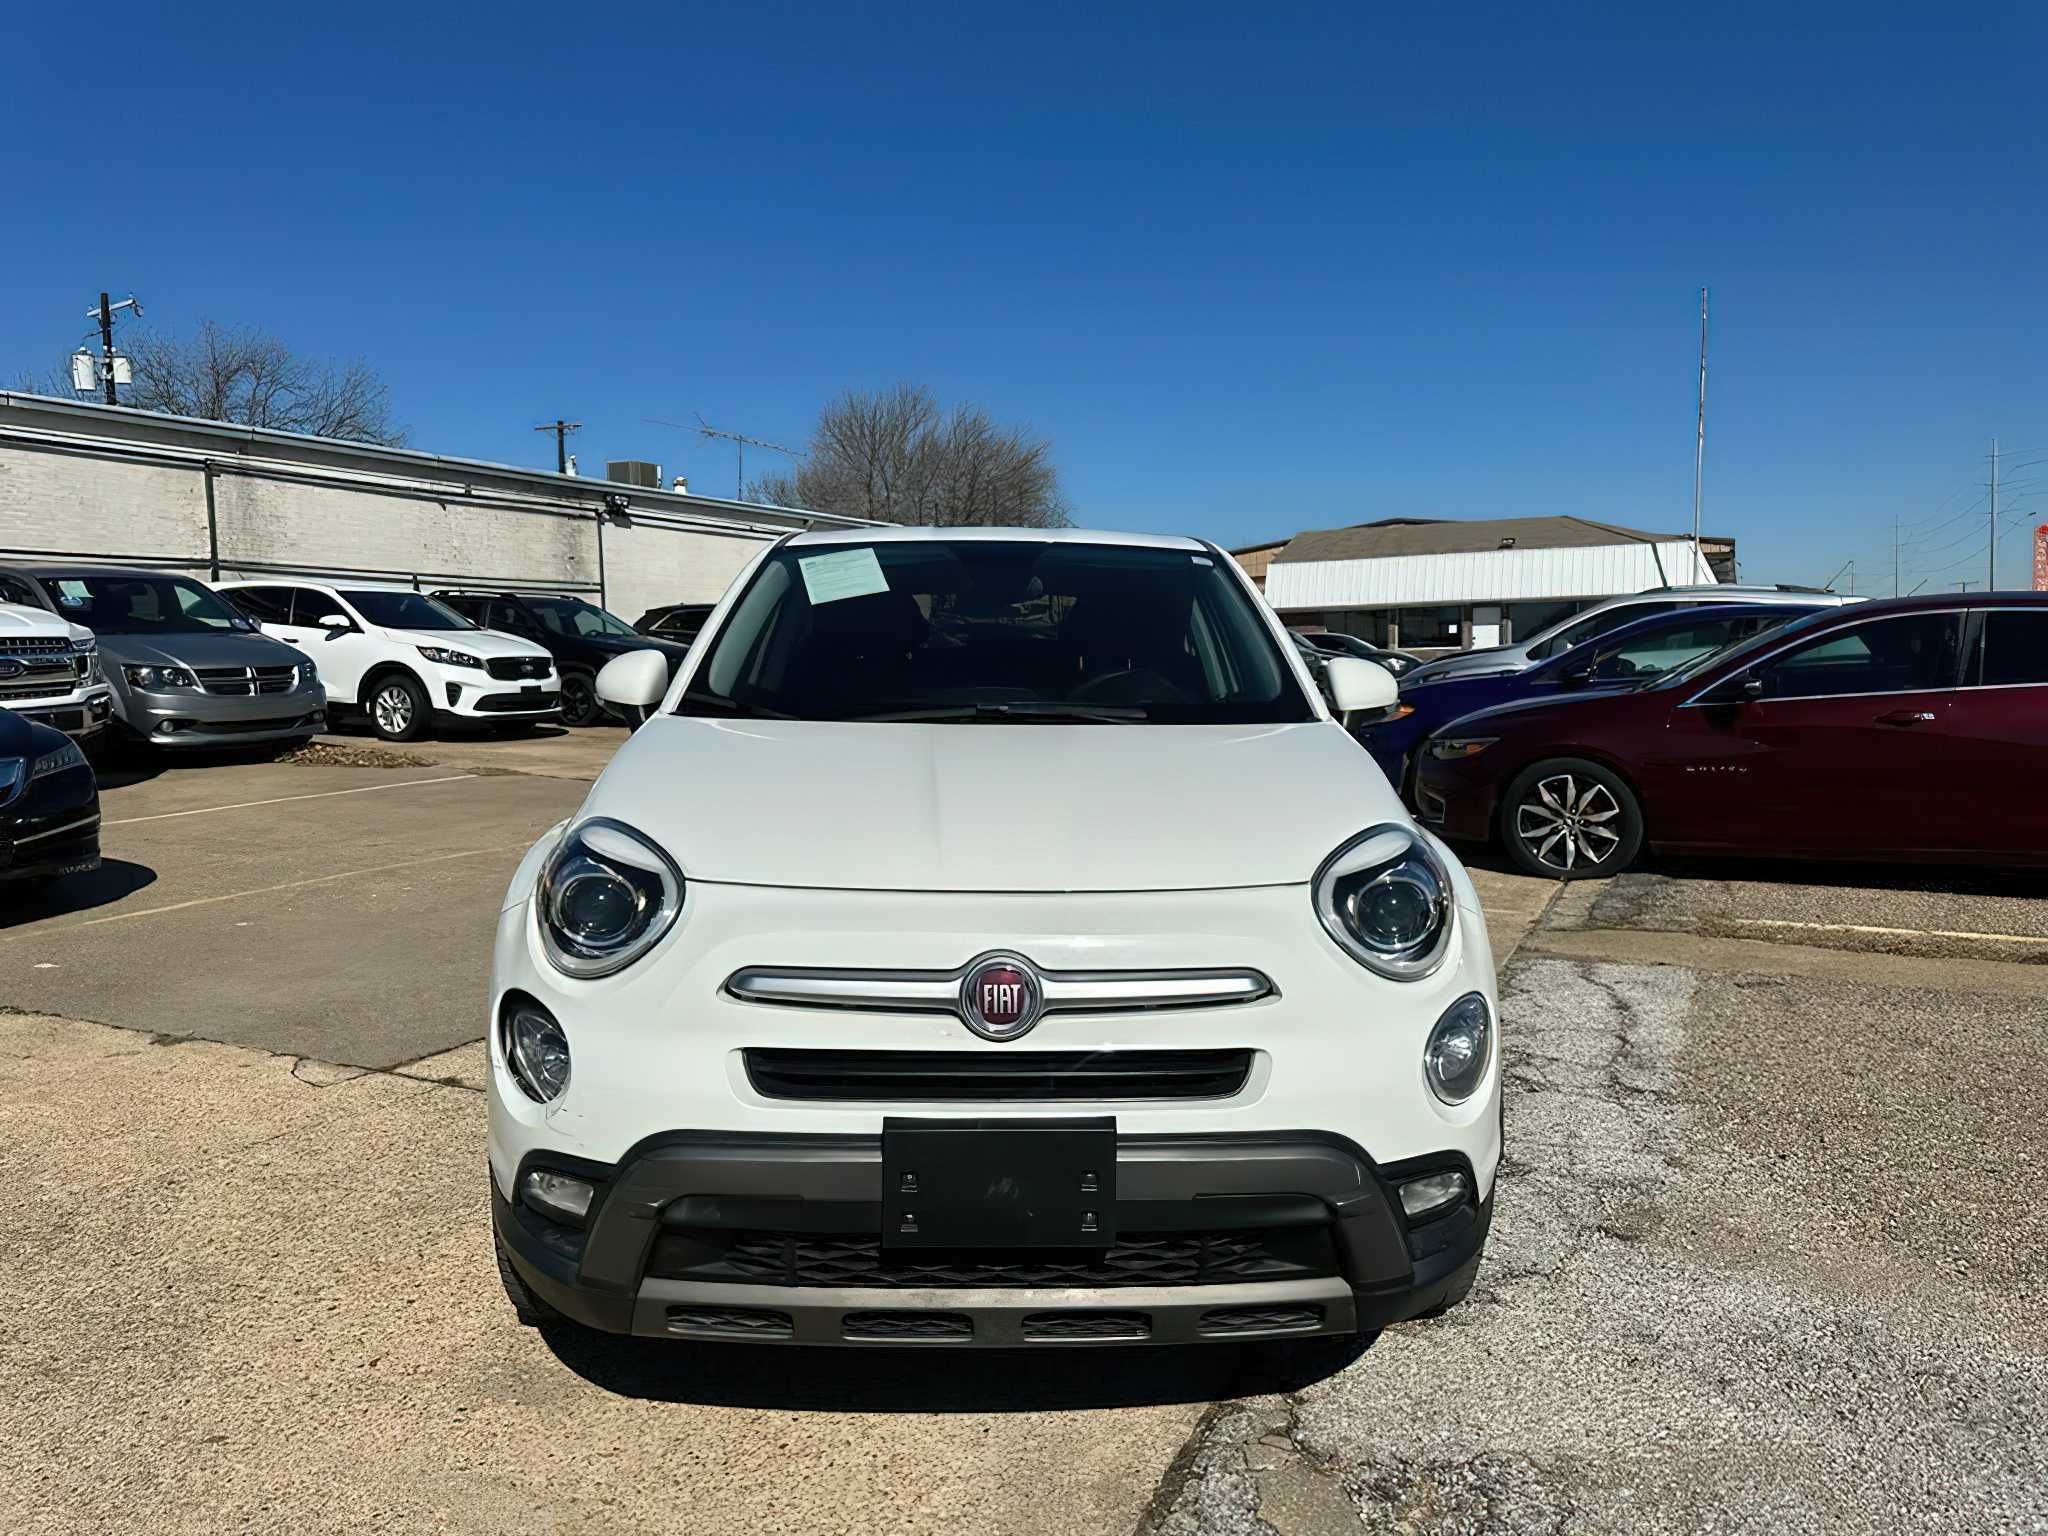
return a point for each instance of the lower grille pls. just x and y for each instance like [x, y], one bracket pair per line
[737, 1322]
[907, 1325]
[1260, 1319]
[982, 1076]
[516, 703]
[737, 1256]
[1088, 1325]
[247, 727]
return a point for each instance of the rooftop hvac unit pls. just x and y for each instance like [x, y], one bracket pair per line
[634, 472]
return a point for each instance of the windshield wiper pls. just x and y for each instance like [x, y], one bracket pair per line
[726, 706]
[1023, 710]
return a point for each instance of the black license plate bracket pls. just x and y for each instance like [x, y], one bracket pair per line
[999, 1183]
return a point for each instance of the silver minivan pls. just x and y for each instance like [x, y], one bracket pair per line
[187, 669]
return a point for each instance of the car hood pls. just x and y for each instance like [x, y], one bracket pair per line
[202, 650]
[477, 642]
[17, 621]
[1536, 713]
[955, 807]
[1493, 659]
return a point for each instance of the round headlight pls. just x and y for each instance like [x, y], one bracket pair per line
[537, 1052]
[1386, 899]
[1459, 1049]
[606, 896]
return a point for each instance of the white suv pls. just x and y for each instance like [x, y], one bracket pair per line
[953, 956]
[50, 668]
[401, 658]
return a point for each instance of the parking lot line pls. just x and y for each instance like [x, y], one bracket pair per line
[324, 794]
[289, 885]
[1896, 933]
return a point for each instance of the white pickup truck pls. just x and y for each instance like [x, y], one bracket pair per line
[50, 671]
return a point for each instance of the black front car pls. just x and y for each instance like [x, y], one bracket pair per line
[49, 803]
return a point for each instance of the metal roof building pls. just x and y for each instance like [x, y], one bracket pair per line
[1442, 584]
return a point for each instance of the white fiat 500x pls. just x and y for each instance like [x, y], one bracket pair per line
[991, 938]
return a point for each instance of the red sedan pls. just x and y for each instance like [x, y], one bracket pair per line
[1911, 729]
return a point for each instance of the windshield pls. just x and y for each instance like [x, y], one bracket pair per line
[143, 605]
[404, 610]
[573, 616]
[980, 630]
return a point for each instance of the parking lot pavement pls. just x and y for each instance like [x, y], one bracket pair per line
[1756, 1266]
[342, 914]
[262, 1304]
[1942, 914]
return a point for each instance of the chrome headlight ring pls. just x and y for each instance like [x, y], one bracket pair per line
[1387, 900]
[606, 896]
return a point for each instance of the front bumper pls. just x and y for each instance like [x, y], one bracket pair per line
[53, 829]
[465, 694]
[1456, 799]
[80, 717]
[776, 1238]
[191, 718]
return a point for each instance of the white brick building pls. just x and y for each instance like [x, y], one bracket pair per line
[96, 481]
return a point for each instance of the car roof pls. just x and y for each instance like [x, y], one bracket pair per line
[323, 583]
[76, 568]
[900, 535]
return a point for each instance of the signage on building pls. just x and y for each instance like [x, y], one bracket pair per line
[2041, 558]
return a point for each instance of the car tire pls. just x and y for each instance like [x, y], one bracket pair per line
[397, 707]
[1568, 819]
[580, 703]
[530, 1309]
[1461, 1287]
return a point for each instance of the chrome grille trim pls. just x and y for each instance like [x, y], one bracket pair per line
[879, 991]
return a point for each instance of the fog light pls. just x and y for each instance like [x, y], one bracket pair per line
[1432, 1192]
[537, 1052]
[558, 1195]
[1459, 1048]
[455, 693]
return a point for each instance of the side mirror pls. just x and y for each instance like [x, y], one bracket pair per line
[1751, 688]
[336, 625]
[1577, 675]
[635, 682]
[1355, 685]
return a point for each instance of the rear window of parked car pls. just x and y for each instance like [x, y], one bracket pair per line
[2015, 650]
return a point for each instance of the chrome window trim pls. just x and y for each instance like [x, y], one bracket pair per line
[1794, 698]
[922, 991]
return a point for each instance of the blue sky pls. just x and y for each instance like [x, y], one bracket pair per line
[1252, 268]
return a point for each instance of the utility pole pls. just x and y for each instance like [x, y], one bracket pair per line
[103, 314]
[1699, 442]
[1895, 554]
[561, 429]
[1991, 570]
[107, 345]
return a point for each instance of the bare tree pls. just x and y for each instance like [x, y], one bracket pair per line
[252, 378]
[896, 456]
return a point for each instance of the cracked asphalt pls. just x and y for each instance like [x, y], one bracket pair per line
[1762, 1259]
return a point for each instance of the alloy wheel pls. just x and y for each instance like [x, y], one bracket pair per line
[392, 709]
[1567, 823]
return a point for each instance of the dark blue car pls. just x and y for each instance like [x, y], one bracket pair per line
[1621, 658]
